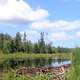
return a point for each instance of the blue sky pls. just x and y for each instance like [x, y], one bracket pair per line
[58, 19]
[59, 9]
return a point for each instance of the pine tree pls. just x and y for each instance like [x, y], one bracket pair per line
[42, 43]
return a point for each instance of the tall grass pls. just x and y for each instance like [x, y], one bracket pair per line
[12, 76]
[33, 55]
[74, 73]
[38, 76]
[76, 63]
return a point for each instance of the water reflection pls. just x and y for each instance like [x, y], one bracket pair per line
[57, 64]
[15, 63]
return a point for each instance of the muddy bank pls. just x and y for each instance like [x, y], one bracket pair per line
[61, 70]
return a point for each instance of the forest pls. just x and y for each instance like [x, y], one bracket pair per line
[19, 43]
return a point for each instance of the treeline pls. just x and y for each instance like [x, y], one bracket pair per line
[19, 43]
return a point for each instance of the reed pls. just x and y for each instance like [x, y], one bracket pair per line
[74, 73]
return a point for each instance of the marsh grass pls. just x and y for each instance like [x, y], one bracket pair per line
[74, 72]
[5, 58]
[33, 55]
[11, 74]
[39, 76]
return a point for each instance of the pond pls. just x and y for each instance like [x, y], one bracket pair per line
[39, 62]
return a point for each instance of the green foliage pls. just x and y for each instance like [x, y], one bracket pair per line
[19, 43]
[29, 47]
[42, 43]
[38, 76]
[12, 76]
[76, 63]
[36, 48]
[74, 73]
[43, 77]
[63, 50]
[50, 48]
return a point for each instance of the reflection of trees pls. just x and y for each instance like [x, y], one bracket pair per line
[59, 61]
[43, 62]
[15, 63]
[50, 61]
[28, 62]
[37, 62]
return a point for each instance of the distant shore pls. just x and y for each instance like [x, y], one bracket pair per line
[32, 55]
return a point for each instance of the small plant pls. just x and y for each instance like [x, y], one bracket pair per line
[13, 76]
[38, 76]
[43, 77]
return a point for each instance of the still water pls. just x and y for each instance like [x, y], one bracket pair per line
[15, 63]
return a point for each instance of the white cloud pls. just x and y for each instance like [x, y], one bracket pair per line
[78, 35]
[31, 35]
[61, 36]
[19, 10]
[34, 36]
[56, 25]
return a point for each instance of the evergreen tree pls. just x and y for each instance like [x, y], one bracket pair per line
[24, 42]
[9, 44]
[36, 48]
[13, 46]
[50, 48]
[29, 47]
[42, 43]
[6, 46]
[18, 41]
[1, 40]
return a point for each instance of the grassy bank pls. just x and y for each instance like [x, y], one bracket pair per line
[74, 73]
[39, 76]
[23, 56]
[32, 55]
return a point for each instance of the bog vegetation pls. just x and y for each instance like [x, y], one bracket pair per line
[20, 47]
[73, 74]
